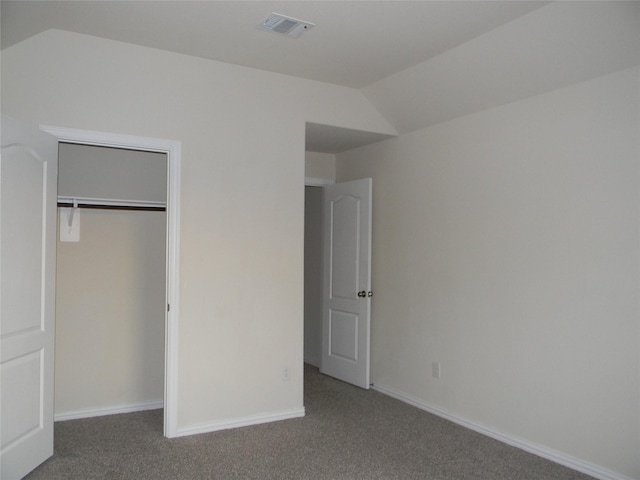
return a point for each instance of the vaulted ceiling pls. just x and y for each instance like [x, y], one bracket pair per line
[418, 62]
[354, 43]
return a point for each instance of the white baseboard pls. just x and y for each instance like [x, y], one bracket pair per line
[539, 450]
[99, 412]
[240, 422]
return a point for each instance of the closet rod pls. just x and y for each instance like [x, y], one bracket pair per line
[108, 204]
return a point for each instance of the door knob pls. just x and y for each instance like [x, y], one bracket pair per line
[362, 294]
[369, 294]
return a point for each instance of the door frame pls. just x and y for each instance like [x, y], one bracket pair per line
[172, 148]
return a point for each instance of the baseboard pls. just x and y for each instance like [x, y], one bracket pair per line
[99, 412]
[539, 450]
[240, 422]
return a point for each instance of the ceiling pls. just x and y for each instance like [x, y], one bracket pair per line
[419, 63]
[354, 43]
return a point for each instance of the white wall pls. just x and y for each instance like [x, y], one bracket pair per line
[114, 173]
[110, 298]
[320, 166]
[506, 246]
[242, 204]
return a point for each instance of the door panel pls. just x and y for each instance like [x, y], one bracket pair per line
[344, 228]
[346, 272]
[343, 335]
[28, 174]
[21, 386]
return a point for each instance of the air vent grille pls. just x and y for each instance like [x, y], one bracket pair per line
[283, 25]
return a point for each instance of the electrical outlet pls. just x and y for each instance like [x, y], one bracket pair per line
[285, 374]
[435, 369]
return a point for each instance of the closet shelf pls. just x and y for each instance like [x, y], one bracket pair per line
[110, 204]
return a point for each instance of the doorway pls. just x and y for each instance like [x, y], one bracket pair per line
[172, 149]
[344, 246]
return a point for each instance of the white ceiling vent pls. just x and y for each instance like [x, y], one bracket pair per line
[291, 27]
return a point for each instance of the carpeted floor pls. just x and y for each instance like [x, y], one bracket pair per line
[347, 434]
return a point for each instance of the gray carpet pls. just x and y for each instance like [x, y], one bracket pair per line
[347, 434]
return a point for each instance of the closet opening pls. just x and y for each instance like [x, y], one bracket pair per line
[111, 281]
[128, 210]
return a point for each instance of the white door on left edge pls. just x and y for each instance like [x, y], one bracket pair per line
[28, 196]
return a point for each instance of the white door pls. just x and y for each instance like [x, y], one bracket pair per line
[28, 175]
[346, 280]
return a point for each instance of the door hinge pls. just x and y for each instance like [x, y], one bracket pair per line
[168, 307]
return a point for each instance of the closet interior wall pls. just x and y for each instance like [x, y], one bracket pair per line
[110, 299]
